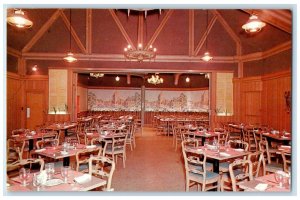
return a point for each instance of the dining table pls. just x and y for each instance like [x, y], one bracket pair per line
[282, 137]
[31, 137]
[56, 184]
[61, 127]
[266, 183]
[57, 152]
[204, 135]
[224, 154]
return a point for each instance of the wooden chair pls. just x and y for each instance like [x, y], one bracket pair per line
[257, 160]
[82, 138]
[117, 148]
[104, 168]
[82, 158]
[286, 157]
[240, 170]
[130, 137]
[47, 143]
[13, 167]
[15, 150]
[250, 138]
[177, 135]
[269, 165]
[196, 172]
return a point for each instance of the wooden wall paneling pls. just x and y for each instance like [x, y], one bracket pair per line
[13, 109]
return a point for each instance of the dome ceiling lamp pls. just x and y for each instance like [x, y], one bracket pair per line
[206, 57]
[253, 25]
[19, 19]
[70, 56]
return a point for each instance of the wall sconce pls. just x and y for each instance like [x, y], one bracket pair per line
[287, 97]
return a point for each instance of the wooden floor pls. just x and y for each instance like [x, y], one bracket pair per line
[154, 166]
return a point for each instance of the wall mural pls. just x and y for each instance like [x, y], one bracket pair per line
[156, 100]
[114, 100]
[177, 101]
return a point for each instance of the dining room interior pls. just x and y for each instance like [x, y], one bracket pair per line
[149, 100]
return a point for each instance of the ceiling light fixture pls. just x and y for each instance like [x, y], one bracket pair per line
[253, 25]
[19, 19]
[70, 56]
[96, 74]
[34, 68]
[187, 79]
[142, 10]
[140, 54]
[117, 78]
[206, 57]
[155, 79]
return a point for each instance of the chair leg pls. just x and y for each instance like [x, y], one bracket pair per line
[124, 158]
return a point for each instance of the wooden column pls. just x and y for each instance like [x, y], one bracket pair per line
[143, 104]
[22, 73]
[213, 89]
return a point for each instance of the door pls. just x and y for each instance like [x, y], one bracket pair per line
[34, 109]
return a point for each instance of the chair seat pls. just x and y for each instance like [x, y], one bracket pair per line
[210, 176]
[236, 172]
[209, 167]
[116, 151]
[224, 166]
[273, 167]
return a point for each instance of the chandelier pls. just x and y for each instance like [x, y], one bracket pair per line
[155, 79]
[19, 19]
[253, 25]
[140, 54]
[96, 74]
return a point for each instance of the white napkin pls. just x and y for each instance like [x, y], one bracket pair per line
[261, 186]
[42, 177]
[89, 133]
[208, 134]
[239, 149]
[17, 135]
[224, 154]
[40, 150]
[90, 146]
[33, 132]
[64, 152]
[83, 179]
[285, 146]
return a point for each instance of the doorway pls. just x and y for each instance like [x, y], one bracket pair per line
[34, 109]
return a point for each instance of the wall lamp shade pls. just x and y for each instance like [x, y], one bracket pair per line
[206, 57]
[253, 25]
[19, 19]
[70, 58]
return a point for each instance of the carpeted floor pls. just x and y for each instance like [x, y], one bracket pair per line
[153, 166]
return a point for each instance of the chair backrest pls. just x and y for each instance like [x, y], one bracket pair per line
[82, 157]
[103, 167]
[194, 162]
[50, 135]
[47, 143]
[257, 159]
[23, 162]
[240, 170]
[222, 137]
[238, 144]
[119, 143]
[82, 138]
[15, 149]
[189, 142]
[264, 148]
[286, 157]
[100, 143]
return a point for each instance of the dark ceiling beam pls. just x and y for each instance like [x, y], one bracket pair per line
[14, 52]
[281, 19]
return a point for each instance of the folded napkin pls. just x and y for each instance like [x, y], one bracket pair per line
[83, 179]
[285, 146]
[64, 152]
[266, 133]
[42, 177]
[40, 150]
[89, 133]
[284, 137]
[33, 132]
[224, 154]
[261, 186]
[239, 149]
[90, 146]
[17, 135]
[208, 134]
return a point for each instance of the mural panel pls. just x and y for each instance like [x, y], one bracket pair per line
[177, 101]
[114, 100]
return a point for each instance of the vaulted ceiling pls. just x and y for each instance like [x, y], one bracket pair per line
[100, 35]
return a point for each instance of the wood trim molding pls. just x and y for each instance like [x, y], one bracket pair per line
[159, 28]
[13, 75]
[270, 52]
[177, 89]
[36, 77]
[41, 32]
[287, 73]
[205, 34]
[121, 28]
[73, 32]
[14, 52]
[88, 41]
[191, 32]
[113, 88]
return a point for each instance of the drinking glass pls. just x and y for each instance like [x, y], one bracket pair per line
[36, 181]
[49, 167]
[205, 145]
[24, 175]
[226, 146]
[279, 178]
[64, 171]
